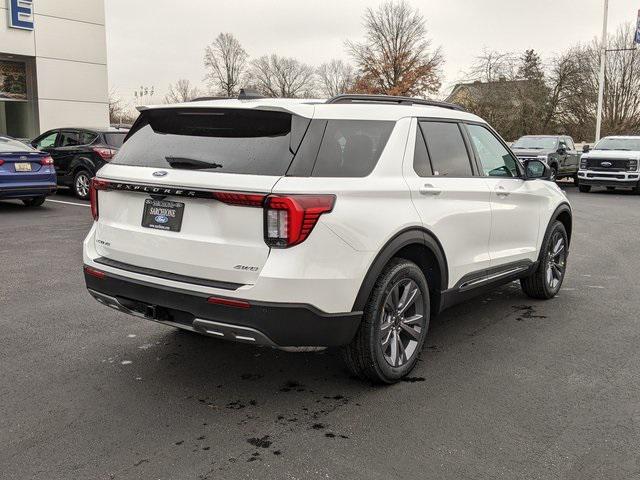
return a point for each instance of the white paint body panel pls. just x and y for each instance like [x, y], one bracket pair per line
[476, 229]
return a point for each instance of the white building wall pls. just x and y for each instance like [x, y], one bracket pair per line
[69, 43]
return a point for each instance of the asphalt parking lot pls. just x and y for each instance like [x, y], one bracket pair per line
[507, 387]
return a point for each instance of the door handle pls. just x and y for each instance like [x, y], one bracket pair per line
[429, 189]
[502, 192]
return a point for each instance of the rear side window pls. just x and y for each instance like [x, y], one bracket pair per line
[87, 138]
[240, 141]
[421, 161]
[69, 139]
[351, 148]
[114, 139]
[10, 145]
[447, 150]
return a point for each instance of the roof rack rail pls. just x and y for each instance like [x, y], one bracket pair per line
[207, 99]
[361, 98]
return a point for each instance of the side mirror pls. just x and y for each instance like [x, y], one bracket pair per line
[586, 148]
[562, 150]
[536, 169]
[34, 145]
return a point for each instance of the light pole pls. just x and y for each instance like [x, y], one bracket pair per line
[603, 60]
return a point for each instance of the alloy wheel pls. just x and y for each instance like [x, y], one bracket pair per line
[82, 185]
[402, 323]
[556, 261]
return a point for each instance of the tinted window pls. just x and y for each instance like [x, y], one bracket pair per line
[570, 144]
[351, 148]
[10, 145]
[447, 150]
[495, 158]
[217, 140]
[536, 143]
[69, 139]
[114, 139]
[87, 138]
[421, 161]
[48, 140]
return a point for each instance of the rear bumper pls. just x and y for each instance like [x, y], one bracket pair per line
[27, 191]
[262, 323]
[608, 179]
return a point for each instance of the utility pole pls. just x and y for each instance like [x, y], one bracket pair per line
[603, 60]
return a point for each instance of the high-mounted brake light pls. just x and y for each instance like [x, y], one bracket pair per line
[96, 185]
[46, 161]
[289, 219]
[240, 199]
[104, 153]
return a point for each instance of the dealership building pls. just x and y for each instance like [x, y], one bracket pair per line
[53, 66]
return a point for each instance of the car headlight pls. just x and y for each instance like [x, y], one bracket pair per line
[632, 166]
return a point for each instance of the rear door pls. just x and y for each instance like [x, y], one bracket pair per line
[186, 188]
[452, 199]
[573, 157]
[66, 150]
[515, 203]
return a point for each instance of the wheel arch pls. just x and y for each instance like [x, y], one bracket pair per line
[82, 163]
[564, 215]
[418, 245]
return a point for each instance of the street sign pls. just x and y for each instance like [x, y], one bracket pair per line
[638, 29]
[21, 14]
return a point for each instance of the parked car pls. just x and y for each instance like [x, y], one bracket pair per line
[558, 151]
[78, 153]
[347, 223]
[613, 163]
[25, 173]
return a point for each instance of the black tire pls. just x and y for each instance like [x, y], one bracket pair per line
[584, 188]
[546, 281]
[636, 189]
[81, 181]
[366, 356]
[554, 173]
[34, 202]
[576, 180]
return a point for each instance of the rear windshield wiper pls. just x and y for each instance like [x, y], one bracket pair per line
[190, 163]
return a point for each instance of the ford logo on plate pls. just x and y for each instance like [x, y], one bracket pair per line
[160, 173]
[162, 219]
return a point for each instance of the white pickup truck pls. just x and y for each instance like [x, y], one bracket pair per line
[613, 163]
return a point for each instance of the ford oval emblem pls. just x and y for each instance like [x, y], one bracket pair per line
[160, 173]
[606, 164]
[162, 219]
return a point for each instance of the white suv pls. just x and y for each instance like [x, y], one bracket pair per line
[613, 163]
[307, 223]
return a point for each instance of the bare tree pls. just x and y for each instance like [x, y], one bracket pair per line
[277, 76]
[396, 57]
[335, 77]
[493, 66]
[119, 111]
[226, 62]
[181, 92]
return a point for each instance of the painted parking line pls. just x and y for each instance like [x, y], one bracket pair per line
[69, 203]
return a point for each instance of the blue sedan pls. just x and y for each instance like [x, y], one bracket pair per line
[25, 173]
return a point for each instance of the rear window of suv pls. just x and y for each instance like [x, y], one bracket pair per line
[220, 140]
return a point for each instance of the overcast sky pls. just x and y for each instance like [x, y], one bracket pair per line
[156, 42]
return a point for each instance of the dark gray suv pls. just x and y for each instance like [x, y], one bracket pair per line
[558, 151]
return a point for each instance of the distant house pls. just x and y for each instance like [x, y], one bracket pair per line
[475, 93]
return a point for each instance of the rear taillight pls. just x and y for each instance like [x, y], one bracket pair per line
[289, 219]
[46, 161]
[104, 153]
[99, 274]
[240, 199]
[96, 185]
[1, 162]
[229, 302]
